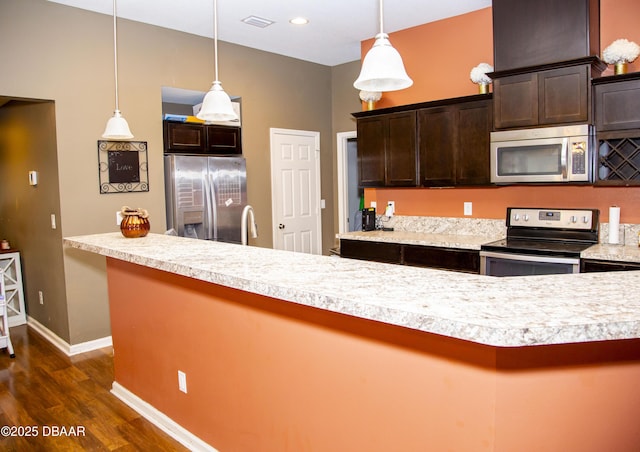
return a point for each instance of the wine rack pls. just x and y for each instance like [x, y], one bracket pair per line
[618, 161]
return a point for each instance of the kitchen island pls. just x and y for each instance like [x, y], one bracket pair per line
[288, 351]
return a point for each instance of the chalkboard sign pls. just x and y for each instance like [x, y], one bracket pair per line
[123, 166]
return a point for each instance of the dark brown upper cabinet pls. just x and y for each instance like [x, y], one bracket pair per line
[183, 137]
[537, 32]
[617, 118]
[617, 102]
[453, 143]
[545, 95]
[190, 138]
[434, 144]
[387, 154]
[223, 139]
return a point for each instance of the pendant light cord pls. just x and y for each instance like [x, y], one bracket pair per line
[115, 50]
[215, 37]
[381, 18]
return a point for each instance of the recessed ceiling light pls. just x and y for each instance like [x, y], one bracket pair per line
[257, 21]
[299, 21]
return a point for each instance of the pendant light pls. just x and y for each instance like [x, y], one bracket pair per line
[117, 127]
[216, 105]
[382, 67]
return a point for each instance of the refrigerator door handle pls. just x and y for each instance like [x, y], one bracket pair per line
[212, 205]
[208, 233]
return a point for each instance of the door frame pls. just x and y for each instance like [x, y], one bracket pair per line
[343, 180]
[274, 221]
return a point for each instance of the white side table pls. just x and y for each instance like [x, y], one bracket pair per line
[14, 293]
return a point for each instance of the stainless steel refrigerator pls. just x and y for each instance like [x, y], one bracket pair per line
[205, 196]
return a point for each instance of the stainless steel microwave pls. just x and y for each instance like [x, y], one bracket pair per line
[543, 155]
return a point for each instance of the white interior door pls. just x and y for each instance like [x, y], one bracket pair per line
[295, 188]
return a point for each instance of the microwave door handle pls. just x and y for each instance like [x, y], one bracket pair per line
[563, 157]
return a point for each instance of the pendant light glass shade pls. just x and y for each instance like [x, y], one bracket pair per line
[117, 127]
[382, 67]
[216, 105]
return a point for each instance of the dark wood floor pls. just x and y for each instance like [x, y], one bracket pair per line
[43, 391]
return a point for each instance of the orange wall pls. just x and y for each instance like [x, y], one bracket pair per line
[268, 375]
[439, 57]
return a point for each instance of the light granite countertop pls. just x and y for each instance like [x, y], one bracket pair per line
[605, 252]
[503, 312]
[460, 241]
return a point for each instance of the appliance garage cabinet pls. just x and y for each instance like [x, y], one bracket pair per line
[202, 138]
[617, 119]
[433, 144]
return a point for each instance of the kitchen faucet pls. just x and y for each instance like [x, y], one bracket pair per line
[247, 214]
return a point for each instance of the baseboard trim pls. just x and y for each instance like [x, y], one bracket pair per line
[160, 420]
[62, 345]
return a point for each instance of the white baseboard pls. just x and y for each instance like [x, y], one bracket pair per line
[62, 345]
[160, 420]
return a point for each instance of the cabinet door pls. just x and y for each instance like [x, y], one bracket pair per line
[371, 251]
[401, 157]
[515, 101]
[436, 132]
[531, 33]
[183, 137]
[473, 134]
[589, 266]
[442, 258]
[564, 95]
[616, 105]
[371, 145]
[223, 140]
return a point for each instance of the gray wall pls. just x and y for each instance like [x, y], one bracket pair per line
[65, 55]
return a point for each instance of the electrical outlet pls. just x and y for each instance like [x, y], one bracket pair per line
[468, 208]
[118, 217]
[40, 297]
[373, 204]
[182, 381]
[391, 208]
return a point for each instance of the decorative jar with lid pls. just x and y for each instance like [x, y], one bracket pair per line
[135, 222]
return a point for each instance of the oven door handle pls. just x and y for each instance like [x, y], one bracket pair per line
[564, 156]
[531, 258]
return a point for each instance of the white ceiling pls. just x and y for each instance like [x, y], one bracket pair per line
[332, 36]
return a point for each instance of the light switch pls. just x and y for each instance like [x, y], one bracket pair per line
[468, 208]
[33, 178]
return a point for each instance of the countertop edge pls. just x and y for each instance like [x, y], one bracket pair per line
[384, 311]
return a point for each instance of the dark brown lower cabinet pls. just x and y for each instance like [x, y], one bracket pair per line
[413, 255]
[592, 265]
[442, 258]
[371, 251]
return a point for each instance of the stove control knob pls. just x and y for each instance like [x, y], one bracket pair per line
[516, 217]
[585, 219]
[525, 217]
[574, 219]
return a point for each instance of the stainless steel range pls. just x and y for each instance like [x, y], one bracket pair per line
[541, 242]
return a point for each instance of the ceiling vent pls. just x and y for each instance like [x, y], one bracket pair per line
[257, 21]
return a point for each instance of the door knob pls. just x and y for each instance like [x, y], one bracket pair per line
[281, 226]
